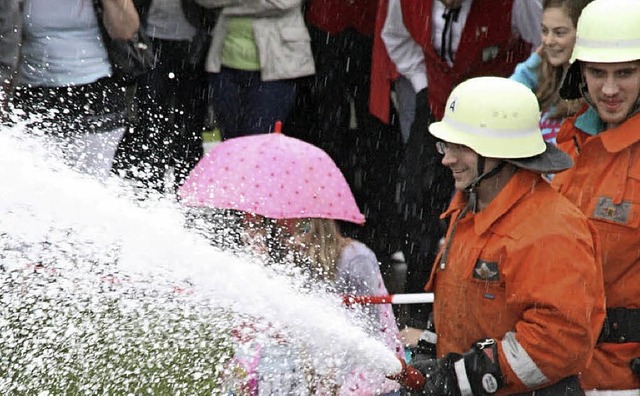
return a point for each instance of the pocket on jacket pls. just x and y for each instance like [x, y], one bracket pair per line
[486, 276]
[625, 214]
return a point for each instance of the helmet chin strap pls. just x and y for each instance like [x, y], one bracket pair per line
[471, 189]
[472, 202]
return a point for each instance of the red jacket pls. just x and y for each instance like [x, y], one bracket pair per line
[605, 184]
[526, 271]
[383, 71]
[487, 47]
[334, 16]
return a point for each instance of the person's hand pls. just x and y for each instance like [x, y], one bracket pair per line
[120, 18]
[410, 336]
[477, 371]
[425, 364]
[540, 49]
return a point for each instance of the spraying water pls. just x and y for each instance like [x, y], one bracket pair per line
[93, 288]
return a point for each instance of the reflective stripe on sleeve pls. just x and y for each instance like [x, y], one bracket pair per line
[463, 380]
[521, 363]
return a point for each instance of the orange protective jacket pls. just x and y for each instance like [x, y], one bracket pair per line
[525, 271]
[605, 185]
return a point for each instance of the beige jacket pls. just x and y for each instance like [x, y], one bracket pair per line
[283, 41]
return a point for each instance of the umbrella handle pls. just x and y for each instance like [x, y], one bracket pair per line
[412, 298]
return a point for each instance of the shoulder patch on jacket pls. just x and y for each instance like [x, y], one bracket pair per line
[607, 210]
[486, 270]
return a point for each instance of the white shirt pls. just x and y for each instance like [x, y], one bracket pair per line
[61, 44]
[407, 55]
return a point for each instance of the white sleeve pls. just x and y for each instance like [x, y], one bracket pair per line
[526, 20]
[404, 52]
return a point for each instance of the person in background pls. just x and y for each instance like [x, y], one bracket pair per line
[544, 69]
[345, 267]
[332, 112]
[289, 219]
[515, 294]
[170, 99]
[436, 44]
[386, 79]
[257, 51]
[64, 83]
[603, 140]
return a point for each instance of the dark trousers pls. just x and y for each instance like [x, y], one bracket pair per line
[246, 105]
[166, 130]
[68, 110]
[367, 153]
[425, 189]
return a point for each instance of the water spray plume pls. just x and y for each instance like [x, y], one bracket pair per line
[98, 224]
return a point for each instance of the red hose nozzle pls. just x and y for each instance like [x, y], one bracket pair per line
[410, 378]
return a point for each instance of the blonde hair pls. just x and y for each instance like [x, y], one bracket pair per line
[550, 77]
[323, 243]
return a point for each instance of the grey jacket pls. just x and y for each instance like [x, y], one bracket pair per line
[10, 33]
[281, 36]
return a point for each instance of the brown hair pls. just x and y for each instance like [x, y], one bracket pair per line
[550, 77]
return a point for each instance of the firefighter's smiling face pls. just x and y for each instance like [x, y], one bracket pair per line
[461, 160]
[463, 163]
[614, 89]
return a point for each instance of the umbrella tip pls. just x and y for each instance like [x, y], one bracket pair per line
[278, 127]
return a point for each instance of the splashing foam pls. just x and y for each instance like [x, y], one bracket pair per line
[43, 202]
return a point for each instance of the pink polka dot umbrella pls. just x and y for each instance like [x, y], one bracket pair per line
[272, 175]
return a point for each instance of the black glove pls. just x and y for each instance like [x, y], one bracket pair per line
[425, 364]
[440, 378]
[476, 372]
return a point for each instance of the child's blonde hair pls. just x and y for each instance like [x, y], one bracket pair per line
[323, 243]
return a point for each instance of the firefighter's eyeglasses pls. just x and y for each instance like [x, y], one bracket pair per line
[446, 147]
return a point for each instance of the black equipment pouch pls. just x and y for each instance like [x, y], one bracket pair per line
[621, 325]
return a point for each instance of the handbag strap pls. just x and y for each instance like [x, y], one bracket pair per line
[99, 11]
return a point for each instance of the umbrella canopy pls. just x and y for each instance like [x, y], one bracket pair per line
[272, 175]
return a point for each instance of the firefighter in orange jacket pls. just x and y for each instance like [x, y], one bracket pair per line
[604, 141]
[518, 283]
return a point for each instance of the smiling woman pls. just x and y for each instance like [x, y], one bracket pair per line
[558, 35]
[544, 69]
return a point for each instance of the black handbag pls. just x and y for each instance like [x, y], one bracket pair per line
[204, 20]
[131, 58]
